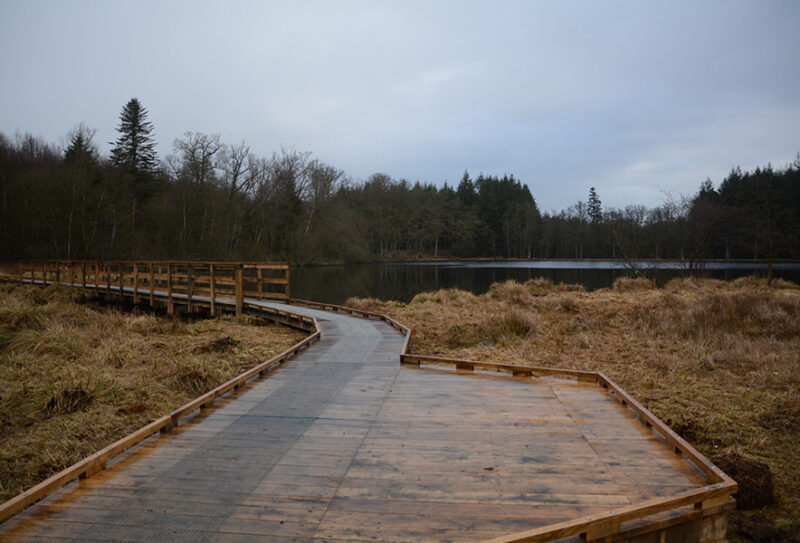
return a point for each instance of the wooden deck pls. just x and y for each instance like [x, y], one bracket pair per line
[343, 443]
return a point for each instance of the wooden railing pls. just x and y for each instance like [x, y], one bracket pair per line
[193, 284]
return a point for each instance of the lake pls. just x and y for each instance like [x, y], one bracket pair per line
[402, 281]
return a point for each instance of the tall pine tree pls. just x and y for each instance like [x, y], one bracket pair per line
[134, 149]
[595, 207]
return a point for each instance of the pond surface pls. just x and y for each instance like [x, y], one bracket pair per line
[402, 281]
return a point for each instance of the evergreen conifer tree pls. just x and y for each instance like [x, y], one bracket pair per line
[594, 207]
[81, 150]
[134, 149]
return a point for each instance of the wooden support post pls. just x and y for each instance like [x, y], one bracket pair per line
[170, 304]
[189, 286]
[288, 282]
[58, 272]
[259, 278]
[83, 274]
[152, 278]
[213, 288]
[120, 271]
[107, 267]
[239, 290]
[135, 283]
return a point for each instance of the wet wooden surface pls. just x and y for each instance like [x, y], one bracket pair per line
[345, 444]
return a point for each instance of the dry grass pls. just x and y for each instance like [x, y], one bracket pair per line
[630, 284]
[719, 362]
[75, 378]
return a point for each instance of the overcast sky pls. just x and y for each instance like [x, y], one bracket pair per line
[635, 98]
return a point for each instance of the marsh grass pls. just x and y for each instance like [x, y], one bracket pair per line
[74, 378]
[719, 362]
[631, 284]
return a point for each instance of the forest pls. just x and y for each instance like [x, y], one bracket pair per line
[211, 200]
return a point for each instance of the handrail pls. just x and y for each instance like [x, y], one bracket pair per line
[212, 281]
[601, 525]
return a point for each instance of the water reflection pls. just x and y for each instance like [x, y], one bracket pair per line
[334, 284]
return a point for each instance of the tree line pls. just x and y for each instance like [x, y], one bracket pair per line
[211, 200]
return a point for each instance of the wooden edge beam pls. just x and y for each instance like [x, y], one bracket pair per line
[603, 524]
[714, 473]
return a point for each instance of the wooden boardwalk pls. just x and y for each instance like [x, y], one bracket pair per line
[343, 443]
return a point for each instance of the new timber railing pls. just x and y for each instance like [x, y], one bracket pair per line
[656, 514]
[193, 284]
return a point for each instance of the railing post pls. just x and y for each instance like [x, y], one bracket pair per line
[107, 268]
[189, 287]
[239, 290]
[152, 284]
[288, 282]
[170, 304]
[259, 278]
[96, 278]
[58, 272]
[83, 274]
[213, 289]
[135, 283]
[121, 272]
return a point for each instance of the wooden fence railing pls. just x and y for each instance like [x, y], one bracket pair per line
[193, 284]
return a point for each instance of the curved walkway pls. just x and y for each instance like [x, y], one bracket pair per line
[344, 444]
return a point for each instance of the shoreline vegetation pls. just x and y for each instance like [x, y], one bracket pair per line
[75, 377]
[719, 362]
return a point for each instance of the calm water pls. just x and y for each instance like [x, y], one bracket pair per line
[334, 284]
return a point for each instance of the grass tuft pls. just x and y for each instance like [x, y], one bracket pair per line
[540, 286]
[632, 284]
[510, 292]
